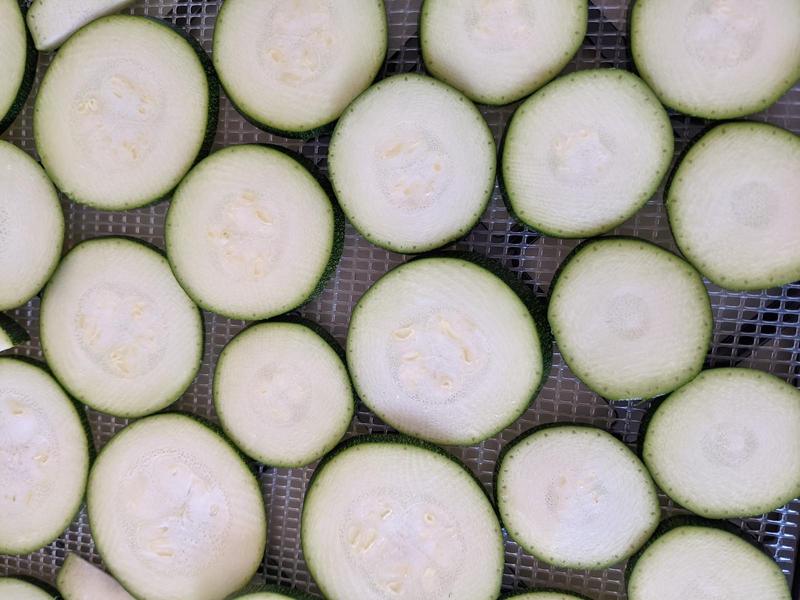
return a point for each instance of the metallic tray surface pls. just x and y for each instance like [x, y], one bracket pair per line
[758, 329]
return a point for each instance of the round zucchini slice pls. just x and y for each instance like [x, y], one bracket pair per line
[44, 461]
[123, 112]
[293, 67]
[693, 558]
[631, 319]
[31, 226]
[380, 519]
[727, 444]
[717, 59]
[282, 393]
[17, 62]
[413, 164]
[117, 330]
[252, 234]
[575, 497]
[80, 580]
[583, 154]
[175, 512]
[734, 208]
[19, 589]
[443, 349]
[499, 51]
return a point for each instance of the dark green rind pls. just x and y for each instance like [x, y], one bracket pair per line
[523, 92]
[202, 423]
[398, 440]
[692, 111]
[587, 244]
[337, 244]
[291, 320]
[461, 233]
[211, 120]
[45, 587]
[555, 426]
[508, 199]
[301, 134]
[536, 310]
[28, 77]
[522, 594]
[671, 523]
[90, 449]
[15, 332]
[695, 144]
[687, 503]
[270, 589]
[201, 321]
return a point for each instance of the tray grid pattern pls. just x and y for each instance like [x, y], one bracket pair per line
[757, 330]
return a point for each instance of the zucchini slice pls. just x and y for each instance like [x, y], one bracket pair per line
[18, 60]
[631, 319]
[80, 580]
[31, 226]
[717, 59]
[272, 592]
[727, 444]
[12, 588]
[693, 558]
[413, 164]
[499, 51]
[443, 349]
[51, 22]
[575, 496]
[252, 234]
[387, 516]
[45, 458]
[123, 112]
[117, 330]
[11, 333]
[583, 154]
[175, 512]
[282, 393]
[293, 67]
[734, 208]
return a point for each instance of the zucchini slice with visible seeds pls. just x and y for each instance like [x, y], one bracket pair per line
[631, 319]
[389, 516]
[734, 208]
[175, 512]
[575, 496]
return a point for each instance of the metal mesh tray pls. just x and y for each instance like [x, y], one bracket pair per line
[752, 329]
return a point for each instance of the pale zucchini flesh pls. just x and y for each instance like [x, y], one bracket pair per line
[17, 62]
[80, 580]
[51, 22]
[12, 588]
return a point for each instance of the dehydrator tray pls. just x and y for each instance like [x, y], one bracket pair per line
[759, 330]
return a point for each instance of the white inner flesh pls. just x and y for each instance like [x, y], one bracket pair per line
[283, 394]
[297, 64]
[394, 522]
[13, 52]
[444, 350]
[176, 512]
[31, 226]
[727, 444]
[43, 458]
[250, 232]
[122, 113]
[717, 55]
[546, 596]
[499, 50]
[632, 321]
[706, 564]
[80, 580]
[52, 21]
[586, 153]
[118, 330]
[735, 208]
[412, 163]
[576, 497]
[15, 589]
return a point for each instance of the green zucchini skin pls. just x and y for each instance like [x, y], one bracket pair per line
[270, 589]
[16, 333]
[522, 593]
[31, 61]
